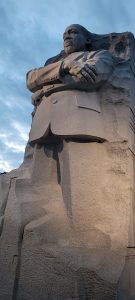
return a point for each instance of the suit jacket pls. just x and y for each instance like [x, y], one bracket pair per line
[69, 107]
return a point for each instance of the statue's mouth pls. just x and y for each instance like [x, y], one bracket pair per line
[68, 42]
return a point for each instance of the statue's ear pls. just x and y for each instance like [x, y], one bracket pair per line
[88, 42]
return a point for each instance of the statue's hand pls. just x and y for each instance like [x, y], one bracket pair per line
[84, 72]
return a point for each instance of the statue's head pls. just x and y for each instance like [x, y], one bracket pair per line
[76, 38]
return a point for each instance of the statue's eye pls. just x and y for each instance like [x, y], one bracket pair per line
[73, 31]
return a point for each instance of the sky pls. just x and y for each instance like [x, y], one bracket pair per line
[30, 33]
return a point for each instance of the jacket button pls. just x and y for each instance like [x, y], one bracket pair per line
[54, 101]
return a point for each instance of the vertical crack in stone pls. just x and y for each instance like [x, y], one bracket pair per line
[18, 267]
[64, 169]
[3, 207]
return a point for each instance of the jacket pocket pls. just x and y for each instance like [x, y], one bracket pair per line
[89, 100]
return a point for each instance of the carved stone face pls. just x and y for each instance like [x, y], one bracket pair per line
[74, 39]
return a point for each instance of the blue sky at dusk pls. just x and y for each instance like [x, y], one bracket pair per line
[31, 32]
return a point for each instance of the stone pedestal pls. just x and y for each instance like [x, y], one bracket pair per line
[66, 223]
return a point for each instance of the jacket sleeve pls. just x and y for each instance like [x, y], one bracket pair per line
[104, 63]
[35, 79]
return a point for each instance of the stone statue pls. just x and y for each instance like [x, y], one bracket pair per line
[67, 214]
[67, 89]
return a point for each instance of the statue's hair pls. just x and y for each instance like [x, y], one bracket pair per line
[83, 29]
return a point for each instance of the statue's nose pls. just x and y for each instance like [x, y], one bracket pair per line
[66, 36]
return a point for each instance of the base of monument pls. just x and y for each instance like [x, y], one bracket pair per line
[62, 236]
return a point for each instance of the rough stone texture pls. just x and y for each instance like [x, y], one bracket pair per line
[67, 214]
[49, 242]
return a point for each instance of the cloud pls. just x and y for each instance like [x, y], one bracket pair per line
[20, 133]
[14, 141]
[22, 129]
[12, 145]
[5, 166]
